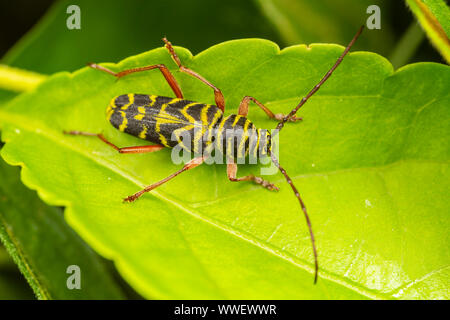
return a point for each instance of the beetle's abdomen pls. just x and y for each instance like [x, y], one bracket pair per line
[163, 120]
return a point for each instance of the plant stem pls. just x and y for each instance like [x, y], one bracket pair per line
[19, 80]
[407, 45]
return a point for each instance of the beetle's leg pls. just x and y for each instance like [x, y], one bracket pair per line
[220, 100]
[243, 110]
[232, 170]
[136, 149]
[165, 72]
[190, 165]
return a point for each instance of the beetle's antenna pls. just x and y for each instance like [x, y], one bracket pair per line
[308, 222]
[280, 126]
[325, 78]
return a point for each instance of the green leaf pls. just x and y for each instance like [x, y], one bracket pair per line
[303, 21]
[370, 159]
[43, 246]
[434, 17]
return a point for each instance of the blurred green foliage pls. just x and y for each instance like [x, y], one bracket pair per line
[434, 17]
[113, 30]
[304, 21]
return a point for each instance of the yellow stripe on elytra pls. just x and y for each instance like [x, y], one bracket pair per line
[216, 117]
[236, 120]
[143, 133]
[219, 133]
[257, 143]
[141, 110]
[187, 115]
[109, 111]
[178, 133]
[163, 117]
[130, 101]
[141, 113]
[198, 134]
[251, 137]
[163, 140]
[124, 124]
[244, 137]
[153, 100]
[229, 152]
[204, 114]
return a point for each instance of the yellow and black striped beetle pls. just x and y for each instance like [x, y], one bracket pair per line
[157, 119]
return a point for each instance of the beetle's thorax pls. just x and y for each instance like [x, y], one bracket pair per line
[238, 137]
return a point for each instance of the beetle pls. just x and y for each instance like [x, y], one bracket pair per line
[168, 121]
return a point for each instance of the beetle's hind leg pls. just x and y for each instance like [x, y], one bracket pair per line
[232, 171]
[135, 149]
